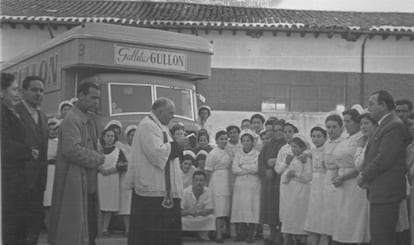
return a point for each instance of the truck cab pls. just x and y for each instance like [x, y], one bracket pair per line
[133, 67]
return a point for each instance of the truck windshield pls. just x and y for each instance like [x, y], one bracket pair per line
[182, 99]
[130, 99]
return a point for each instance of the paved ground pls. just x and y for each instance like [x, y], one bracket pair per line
[121, 240]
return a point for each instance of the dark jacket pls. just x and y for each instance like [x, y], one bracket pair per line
[385, 169]
[36, 137]
[14, 153]
[14, 150]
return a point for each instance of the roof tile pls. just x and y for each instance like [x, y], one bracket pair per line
[189, 14]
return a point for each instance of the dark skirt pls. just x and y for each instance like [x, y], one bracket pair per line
[269, 201]
[152, 224]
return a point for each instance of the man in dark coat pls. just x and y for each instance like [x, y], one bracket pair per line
[384, 169]
[35, 125]
[14, 153]
[269, 203]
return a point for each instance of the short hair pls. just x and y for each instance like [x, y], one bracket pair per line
[221, 133]
[203, 132]
[335, 118]
[353, 113]
[280, 122]
[386, 98]
[161, 102]
[369, 117]
[188, 157]
[258, 116]
[102, 141]
[247, 134]
[28, 79]
[299, 142]
[319, 129]
[231, 127]
[295, 129]
[85, 86]
[199, 172]
[113, 126]
[6, 80]
[245, 120]
[176, 127]
[270, 122]
[200, 157]
[405, 102]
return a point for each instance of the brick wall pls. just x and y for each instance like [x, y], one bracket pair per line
[244, 90]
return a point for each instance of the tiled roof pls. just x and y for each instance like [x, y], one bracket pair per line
[188, 15]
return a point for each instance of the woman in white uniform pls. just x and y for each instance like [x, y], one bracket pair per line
[218, 164]
[108, 178]
[334, 128]
[296, 181]
[245, 211]
[313, 223]
[290, 128]
[351, 216]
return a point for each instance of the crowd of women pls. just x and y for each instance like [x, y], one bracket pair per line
[265, 174]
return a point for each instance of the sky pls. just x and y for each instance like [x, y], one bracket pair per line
[347, 5]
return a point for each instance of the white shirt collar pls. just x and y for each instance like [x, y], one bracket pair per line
[383, 117]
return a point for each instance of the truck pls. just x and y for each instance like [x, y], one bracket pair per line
[132, 66]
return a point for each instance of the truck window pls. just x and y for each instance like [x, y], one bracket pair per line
[182, 98]
[128, 99]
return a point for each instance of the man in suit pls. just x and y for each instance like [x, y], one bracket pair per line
[384, 170]
[35, 124]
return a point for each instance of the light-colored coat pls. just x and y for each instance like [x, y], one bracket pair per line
[76, 155]
[149, 157]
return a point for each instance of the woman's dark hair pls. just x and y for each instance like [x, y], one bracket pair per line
[335, 118]
[204, 108]
[369, 117]
[353, 113]
[188, 157]
[200, 157]
[198, 172]
[113, 126]
[319, 129]
[270, 122]
[231, 127]
[176, 127]
[299, 142]
[245, 120]
[405, 102]
[102, 141]
[246, 134]
[258, 116]
[280, 122]
[203, 132]
[220, 133]
[295, 129]
[6, 80]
